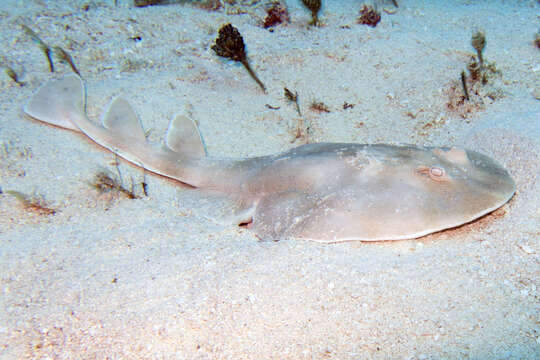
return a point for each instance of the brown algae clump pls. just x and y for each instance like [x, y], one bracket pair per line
[230, 44]
[276, 14]
[314, 6]
[369, 16]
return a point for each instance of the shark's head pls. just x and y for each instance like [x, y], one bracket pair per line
[403, 192]
[422, 190]
[461, 185]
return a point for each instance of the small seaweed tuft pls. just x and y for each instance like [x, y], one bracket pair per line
[230, 44]
[479, 86]
[480, 70]
[319, 106]
[105, 183]
[33, 203]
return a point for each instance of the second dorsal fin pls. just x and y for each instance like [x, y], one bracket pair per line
[184, 138]
[122, 119]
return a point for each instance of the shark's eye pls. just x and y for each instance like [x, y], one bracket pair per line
[437, 173]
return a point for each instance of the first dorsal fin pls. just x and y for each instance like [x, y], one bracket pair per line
[184, 138]
[122, 119]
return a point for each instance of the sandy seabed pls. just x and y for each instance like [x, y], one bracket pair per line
[156, 278]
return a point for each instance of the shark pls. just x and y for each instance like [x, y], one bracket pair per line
[325, 192]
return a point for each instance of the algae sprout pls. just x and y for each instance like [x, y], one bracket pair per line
[301, 131]
[464, 84]
[63, 56]
[478, 42]
[314, 6]
[43, 47]
[480, 70]
[292, 98]
[230, 44]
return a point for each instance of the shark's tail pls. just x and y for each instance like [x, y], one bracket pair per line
[62, 103]
[57, 101]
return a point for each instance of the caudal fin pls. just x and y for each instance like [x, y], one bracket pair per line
[57, 101]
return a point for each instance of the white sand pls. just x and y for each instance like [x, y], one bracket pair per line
[154, 278]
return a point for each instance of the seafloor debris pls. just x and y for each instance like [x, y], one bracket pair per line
[143, 3]
[369, 16]
[230, 44]
[393, 10]
[33, 203]
[314, 6]
[276, 14]
[211, 5]
[347, 106]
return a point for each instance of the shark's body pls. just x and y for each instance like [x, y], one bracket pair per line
[326, 192]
